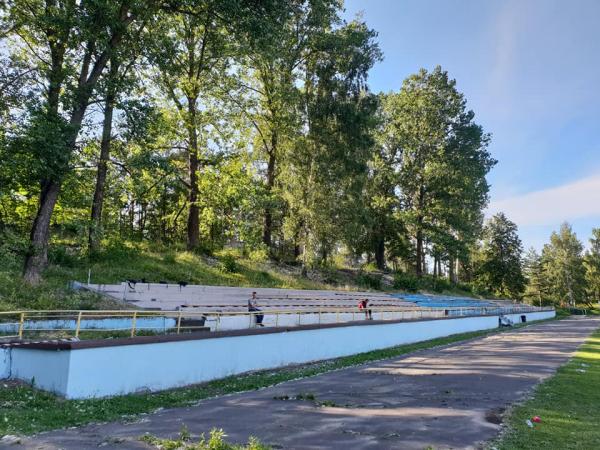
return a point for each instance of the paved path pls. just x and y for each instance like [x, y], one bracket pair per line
[449, 397]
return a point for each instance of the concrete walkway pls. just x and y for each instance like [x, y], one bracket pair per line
[449, 397]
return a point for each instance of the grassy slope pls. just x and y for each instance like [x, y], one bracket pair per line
[568, 404]
[24, 410]
[155, 263]
[136, 261]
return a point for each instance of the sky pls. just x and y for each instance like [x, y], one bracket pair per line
[530, 70]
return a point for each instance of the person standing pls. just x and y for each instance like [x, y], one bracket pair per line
[253, 307]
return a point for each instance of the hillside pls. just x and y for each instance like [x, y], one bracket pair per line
[137, 261]
[156, 263]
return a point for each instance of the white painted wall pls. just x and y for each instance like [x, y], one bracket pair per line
[532, 317]
[4, 363]
[131, 368]
[106, 371]
[47, 369]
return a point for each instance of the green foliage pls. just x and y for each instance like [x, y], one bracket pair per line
[120, 260]
[369, 280]
[533, 269]
[563, 267]
[410, 282]
[215, 441]
[498, 265]
[239, 124]
[440, 159]
[406, 282]
[591, 263]
[228, 263]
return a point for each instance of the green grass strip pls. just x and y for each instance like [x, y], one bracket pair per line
[24, 410]
[568, 405]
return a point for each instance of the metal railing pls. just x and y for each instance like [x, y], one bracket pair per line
[91, 324]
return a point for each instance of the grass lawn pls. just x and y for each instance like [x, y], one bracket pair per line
[568, 404]
[24, 410]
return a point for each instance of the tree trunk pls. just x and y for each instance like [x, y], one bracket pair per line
[193, 222]
[419, 256]
[435, 266]
[456, 270]
[419, 235]
[95, 231]
[268, 223]
[380, 253]
[37, 254]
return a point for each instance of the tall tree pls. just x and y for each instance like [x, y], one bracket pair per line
[271, 92]
[443, 165]
[499, 266]
[110, 99]
[563, 262]
[327, 169]
[591, 263]
[69, 44]
[191, 57]
[533, 269]
[383, 228]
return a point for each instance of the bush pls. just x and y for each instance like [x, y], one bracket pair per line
[259, 254]
[60, 256]
[406, 282]
[228, 264]
[369, 280]
[435, 284]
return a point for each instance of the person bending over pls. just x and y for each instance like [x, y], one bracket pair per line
[363, 305]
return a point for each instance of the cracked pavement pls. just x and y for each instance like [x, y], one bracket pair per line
[446, 397]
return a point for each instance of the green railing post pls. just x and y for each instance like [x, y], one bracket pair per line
[21, 323]
[179, 322]
[133, 323]
[78, 326]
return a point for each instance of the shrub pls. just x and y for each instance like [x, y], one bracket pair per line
[12, 248]
[216, 441]
[60, 256]
[369, 280]
[259, 254]
[228, 264]
[406, 282]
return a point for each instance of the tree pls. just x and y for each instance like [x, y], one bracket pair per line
[563, 263]
[190, 58]
[533, 269]
[382, 225]
[591, 263]
[499, 267]
[443, 163]
[69, 44]
[275, 72]
[328, 166]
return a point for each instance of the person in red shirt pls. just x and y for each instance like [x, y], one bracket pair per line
[363, 305]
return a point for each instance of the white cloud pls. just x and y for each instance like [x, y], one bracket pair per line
[569, 202]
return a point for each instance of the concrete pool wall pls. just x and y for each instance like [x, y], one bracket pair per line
[86, 369]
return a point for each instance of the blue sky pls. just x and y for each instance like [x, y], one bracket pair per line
[530, 70]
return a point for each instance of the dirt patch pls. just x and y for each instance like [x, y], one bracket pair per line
[495, 415]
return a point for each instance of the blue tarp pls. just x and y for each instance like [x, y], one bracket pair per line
[443, 301]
